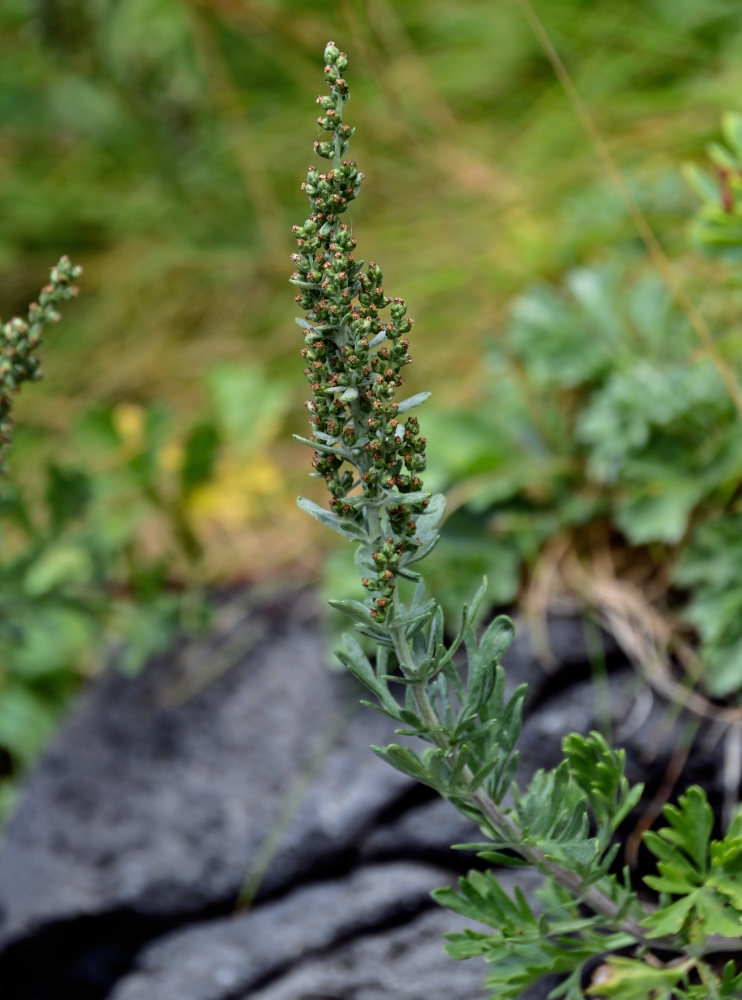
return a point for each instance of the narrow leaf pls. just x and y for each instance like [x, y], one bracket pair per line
[413, 401]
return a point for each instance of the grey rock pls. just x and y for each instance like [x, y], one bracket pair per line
[159, 807]
[427, 831]
[552, 655]
[406, 963]
[231, 956]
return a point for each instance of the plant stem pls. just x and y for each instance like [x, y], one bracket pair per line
[595, 898]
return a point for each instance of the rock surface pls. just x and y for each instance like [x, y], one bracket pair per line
[234, 956]
[239, 768]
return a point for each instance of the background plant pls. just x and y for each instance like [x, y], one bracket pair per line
[616, 453]
[76, 587]
[104, 558]
[615, 438]
[20, 342]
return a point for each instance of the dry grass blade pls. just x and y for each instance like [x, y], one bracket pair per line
[628, 609]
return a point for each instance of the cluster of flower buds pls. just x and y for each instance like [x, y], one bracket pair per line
[20, 339]
[355, 346]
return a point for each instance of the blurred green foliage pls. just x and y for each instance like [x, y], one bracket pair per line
[104, 561]
[610, 427]
[156, 141]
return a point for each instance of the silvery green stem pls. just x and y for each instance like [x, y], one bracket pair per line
[592, 897]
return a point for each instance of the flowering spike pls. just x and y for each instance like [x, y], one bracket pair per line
[20, 338]
[354, 355]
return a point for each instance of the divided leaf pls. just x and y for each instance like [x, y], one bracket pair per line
[599, 772]
[706, 875]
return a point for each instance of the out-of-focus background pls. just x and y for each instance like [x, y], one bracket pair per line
[162, 143]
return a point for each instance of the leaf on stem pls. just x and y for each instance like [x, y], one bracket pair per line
[332, 521]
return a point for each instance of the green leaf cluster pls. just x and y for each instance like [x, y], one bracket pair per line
[477, 723]
[606, 418]
[565, 816]
[705, 874]
[75, 590]
[699, 883]
[523, 946]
